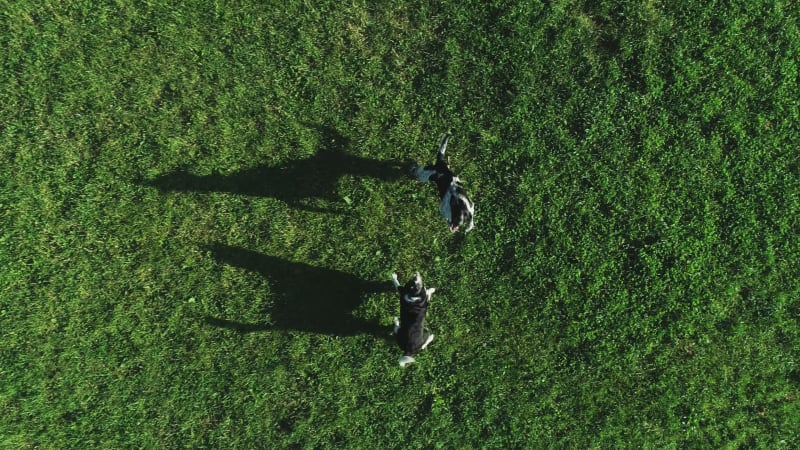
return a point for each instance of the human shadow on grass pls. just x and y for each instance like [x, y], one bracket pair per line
[307, 298]
[299, 183]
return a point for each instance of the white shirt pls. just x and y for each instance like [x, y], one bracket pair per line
[444, 206]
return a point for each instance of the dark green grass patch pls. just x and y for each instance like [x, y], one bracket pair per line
[201, 207]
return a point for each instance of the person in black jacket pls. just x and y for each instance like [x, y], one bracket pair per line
[454, 203]
[412, 336]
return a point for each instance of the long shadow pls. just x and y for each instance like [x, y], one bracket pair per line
[297, 183]
[307, 298]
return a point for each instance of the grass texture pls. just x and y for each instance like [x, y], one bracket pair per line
[201, 205]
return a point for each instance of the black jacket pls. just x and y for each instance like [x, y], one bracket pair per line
[412, 333]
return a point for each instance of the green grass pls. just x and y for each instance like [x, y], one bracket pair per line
[181, 184]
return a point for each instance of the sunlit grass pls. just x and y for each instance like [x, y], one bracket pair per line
[179, 181]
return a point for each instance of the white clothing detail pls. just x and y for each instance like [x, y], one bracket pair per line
[423, 175]
[409, 299]
[430, 339]
[405, 360]
[444, 206]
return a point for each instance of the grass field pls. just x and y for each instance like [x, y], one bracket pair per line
[189, 192]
